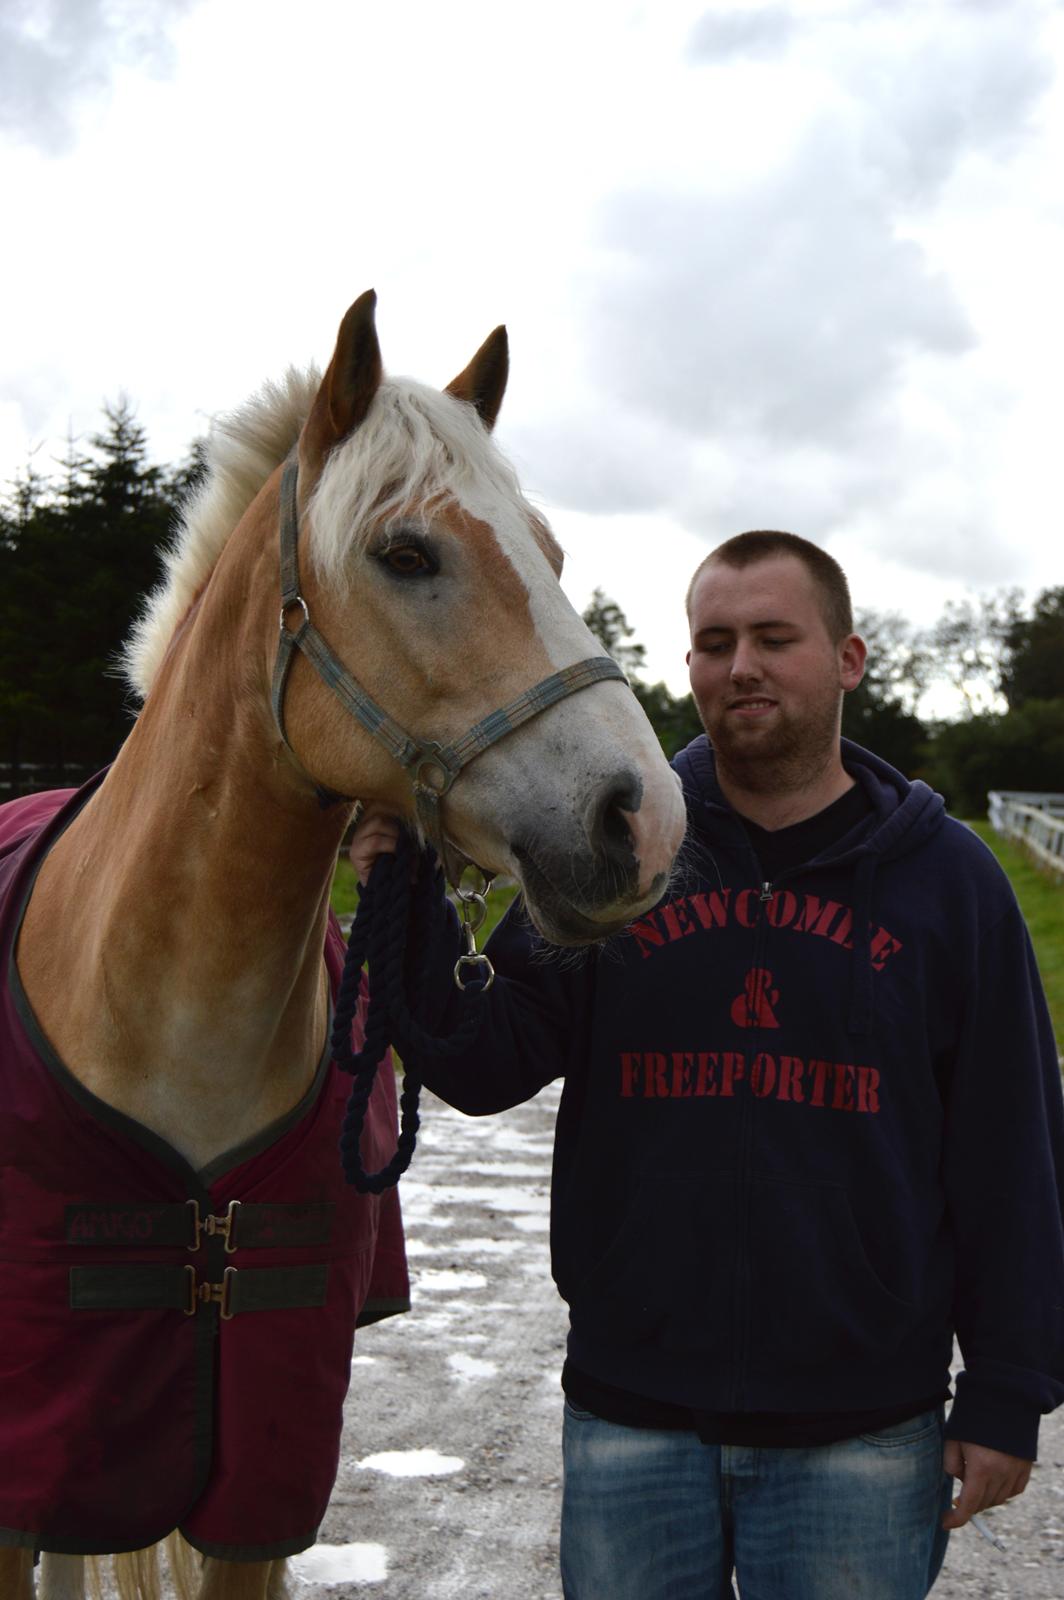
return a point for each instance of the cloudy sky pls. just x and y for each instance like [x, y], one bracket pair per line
[762, 265]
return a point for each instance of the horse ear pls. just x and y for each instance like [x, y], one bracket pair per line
[351, 380]
[483, 383]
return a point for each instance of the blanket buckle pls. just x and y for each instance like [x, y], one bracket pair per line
[225, 1227]
[205, 1293]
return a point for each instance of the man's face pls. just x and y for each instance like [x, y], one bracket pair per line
[766, 676]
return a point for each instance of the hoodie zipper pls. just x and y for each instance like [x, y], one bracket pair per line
[742, 1299]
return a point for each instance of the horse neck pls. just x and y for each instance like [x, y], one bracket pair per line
[191, 894]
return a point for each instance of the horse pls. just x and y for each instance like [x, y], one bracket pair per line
[173, 961]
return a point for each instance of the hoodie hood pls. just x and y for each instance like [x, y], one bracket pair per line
[904, 816]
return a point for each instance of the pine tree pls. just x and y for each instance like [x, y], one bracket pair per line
[76, 558]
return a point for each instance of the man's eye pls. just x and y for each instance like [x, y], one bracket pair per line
[776, 644]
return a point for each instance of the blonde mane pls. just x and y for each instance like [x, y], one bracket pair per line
[244, 448]
[415, 445]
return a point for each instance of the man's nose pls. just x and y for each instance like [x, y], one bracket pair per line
[745, 664]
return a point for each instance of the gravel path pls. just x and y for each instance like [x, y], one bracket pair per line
[449, 1483]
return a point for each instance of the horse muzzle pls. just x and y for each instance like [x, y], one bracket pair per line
[584, 884]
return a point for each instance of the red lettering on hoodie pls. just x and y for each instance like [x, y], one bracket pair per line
[712, 909]
[754, 1008]
[647, 936]
[677, 920]
[884, 945]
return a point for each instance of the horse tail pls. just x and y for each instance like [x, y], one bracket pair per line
[137, 1575]
[186, 1566]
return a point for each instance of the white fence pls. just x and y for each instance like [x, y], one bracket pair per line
[1036, 820]
[30, 777]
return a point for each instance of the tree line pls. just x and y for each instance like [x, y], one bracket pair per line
[79, 548]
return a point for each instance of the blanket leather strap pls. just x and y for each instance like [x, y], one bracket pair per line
[123, 1224]
[162, 1287]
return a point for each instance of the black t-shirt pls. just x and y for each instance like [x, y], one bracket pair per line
[777, 852]
[784, 848]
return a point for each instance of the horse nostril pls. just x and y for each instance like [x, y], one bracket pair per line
[610, 829]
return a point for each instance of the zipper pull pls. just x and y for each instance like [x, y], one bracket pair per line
[766, 892]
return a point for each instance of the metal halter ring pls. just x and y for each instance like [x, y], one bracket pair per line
[296, 600]
[433, 773]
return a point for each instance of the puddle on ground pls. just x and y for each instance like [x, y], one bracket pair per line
[444, 1281]
[466, 1367]
[420, 1200]
[485, 1247]
[500, 1169]
[341, 1563]
[412, 1463]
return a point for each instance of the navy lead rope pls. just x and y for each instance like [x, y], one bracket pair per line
[392, 909]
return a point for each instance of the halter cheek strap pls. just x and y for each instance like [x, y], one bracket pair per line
[432, 767]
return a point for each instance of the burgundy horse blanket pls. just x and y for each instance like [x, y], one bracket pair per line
[175, 1346]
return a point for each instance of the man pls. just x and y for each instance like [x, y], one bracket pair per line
[811, 1126]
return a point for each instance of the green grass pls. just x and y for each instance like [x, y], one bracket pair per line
[1041, 898]
[344, 889]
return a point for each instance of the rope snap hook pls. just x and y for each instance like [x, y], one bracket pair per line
[473, 909]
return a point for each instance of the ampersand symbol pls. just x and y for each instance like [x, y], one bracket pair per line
[754, 1008]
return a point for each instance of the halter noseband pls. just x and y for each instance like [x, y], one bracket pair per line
[433, 767]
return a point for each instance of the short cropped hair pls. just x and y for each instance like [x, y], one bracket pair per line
[746, 549]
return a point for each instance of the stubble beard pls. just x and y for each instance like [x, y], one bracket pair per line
[786, 759]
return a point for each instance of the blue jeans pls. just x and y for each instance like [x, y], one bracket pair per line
[658, 1515]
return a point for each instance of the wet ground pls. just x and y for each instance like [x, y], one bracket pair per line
[449, 1485]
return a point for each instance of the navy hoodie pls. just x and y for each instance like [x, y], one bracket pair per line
[808, 1129]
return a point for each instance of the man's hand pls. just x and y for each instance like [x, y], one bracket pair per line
[376, 834]
[988, 1478]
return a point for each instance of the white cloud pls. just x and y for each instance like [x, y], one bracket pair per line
[800, 329]
[761, 32]
[600, 459]
[787, 307]
[57, 54]
[939, 88]
[761, 264]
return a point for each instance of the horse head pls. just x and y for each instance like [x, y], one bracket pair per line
[424, 589]
[437, 585]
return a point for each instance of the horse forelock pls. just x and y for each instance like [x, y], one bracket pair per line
[417, 447]
[416, 450]
[243, 449]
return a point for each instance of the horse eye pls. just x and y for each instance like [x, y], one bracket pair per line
[406, 560]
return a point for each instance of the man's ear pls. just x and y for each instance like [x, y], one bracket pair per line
[853, 653]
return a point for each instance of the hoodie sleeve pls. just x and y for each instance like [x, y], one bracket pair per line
[1004, 1177]
[529, 1018]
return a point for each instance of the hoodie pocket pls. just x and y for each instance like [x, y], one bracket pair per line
[815, 1297]
[668, 1273]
